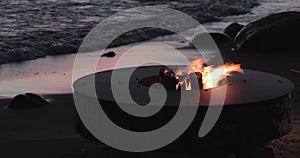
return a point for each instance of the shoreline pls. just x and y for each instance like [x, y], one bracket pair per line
[39, 43]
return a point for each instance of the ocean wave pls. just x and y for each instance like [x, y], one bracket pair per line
[34, 29]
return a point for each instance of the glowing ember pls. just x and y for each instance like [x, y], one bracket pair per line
[207, 76]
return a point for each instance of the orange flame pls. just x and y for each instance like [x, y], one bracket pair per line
[211, 75]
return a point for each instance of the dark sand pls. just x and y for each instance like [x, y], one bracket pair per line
[48, 131]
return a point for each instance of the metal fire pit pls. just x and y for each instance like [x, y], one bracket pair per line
[256, 109]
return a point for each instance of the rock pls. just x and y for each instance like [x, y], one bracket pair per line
[224, 42]
[272, 34]
[28, 100]
[109, 54]
[37, 98]
[233, 29]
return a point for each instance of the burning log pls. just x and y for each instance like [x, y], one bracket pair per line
[168, 78]
[194, 79]
[171, 81]
[208, 76]
[191, 81]
[198, 76]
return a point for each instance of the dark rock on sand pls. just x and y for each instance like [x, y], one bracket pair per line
[272, 34]
[224, 42]
[233, 29]
[28, 100]
[109, 54]
[37, 98]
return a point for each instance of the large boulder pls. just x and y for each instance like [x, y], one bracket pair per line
[233, 29]
[275, 33]
[37, 98]
[224, 42]
[24, 101]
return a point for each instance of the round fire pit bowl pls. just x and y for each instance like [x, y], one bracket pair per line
[256, 109]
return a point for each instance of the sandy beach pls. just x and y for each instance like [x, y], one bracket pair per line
[37, 56]
[48, 131]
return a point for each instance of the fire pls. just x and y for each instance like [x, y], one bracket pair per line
[211, 76]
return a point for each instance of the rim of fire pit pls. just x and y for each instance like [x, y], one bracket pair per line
[250, 87]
